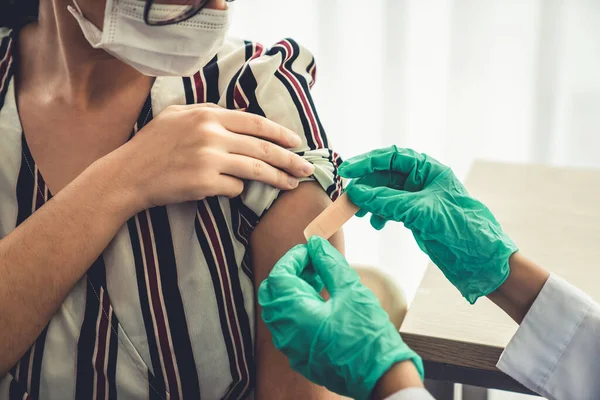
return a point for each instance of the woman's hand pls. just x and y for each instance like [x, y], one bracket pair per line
[192, 152]
[457, 231]
[346, 343]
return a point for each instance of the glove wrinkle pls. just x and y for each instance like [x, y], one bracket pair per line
[345, 344]
[458, 232]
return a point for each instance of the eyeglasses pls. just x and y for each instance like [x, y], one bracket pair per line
[167, 12]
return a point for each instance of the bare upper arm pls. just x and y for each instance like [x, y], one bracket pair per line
[278, 231]
[282, 226]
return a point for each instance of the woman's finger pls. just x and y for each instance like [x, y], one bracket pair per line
[257, 170]
[229, 186]
[270, 153]
[255, 125]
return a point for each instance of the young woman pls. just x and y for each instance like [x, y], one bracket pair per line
[140, 150]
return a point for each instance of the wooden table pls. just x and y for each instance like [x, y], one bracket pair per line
[553, 214]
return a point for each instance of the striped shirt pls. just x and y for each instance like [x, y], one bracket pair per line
[167, 310]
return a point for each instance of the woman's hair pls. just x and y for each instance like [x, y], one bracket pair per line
[16, 13]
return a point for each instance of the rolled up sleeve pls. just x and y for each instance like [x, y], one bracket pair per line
[276, 83]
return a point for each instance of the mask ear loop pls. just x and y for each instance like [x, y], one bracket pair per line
[90, 31]
[76, 7]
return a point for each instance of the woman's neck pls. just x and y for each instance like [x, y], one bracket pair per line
[54, 55]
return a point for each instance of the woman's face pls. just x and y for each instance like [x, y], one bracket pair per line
[94, 9]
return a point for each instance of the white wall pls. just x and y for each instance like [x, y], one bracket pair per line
[510, 80]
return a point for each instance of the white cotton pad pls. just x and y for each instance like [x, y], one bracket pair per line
[332, 218]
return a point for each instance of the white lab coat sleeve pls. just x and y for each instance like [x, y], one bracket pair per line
[556, 350]
[411, 394]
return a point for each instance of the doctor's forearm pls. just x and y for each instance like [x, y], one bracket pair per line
[525, 281]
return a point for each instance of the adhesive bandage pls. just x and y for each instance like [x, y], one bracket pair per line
[332, 218]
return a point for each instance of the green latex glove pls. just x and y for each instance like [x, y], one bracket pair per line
[346, 343]
[458, 232]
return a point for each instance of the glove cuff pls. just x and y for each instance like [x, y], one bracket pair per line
[393, 351]
[476, 289]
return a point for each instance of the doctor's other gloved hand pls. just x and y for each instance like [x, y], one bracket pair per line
[346, 343]
[458, 232]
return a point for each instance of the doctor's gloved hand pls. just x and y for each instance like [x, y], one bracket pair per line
[346, 343]
[458, 232]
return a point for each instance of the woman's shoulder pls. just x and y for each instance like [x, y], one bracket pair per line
[241, 50]
[239, 58]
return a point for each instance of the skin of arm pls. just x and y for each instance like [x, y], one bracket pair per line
[525, 281]
[279, 230]
[74, 227]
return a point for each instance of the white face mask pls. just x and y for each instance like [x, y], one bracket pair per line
[172, 50]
